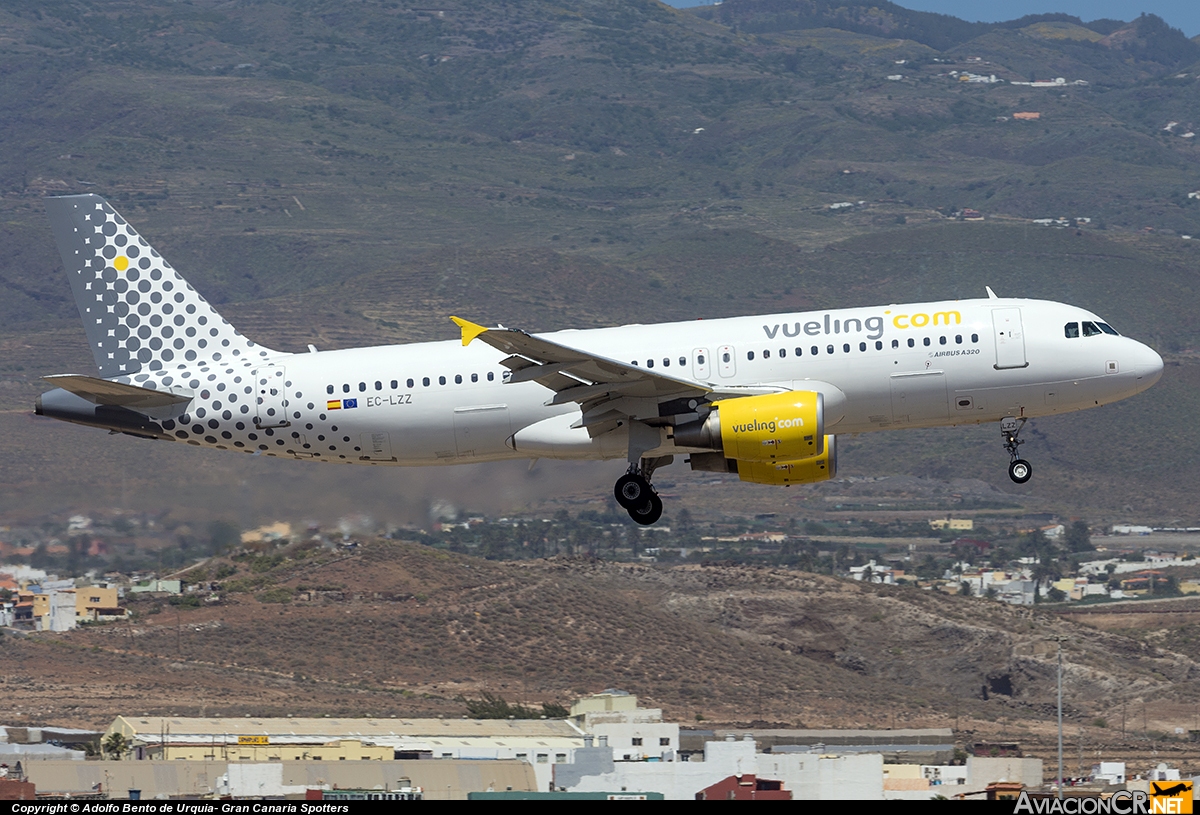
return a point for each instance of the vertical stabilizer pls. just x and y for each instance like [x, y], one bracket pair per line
[140, 315]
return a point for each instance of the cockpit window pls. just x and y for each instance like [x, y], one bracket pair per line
[1090, 329]
[1072, 330]
[1108, 329]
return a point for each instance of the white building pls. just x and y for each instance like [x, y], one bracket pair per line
[878, 574]
[634, 733]
[808, 776]
[912, 782]
[60, 608]
[1109, 772]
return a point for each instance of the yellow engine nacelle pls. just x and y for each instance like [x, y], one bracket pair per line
[769, 428]
[805, 471]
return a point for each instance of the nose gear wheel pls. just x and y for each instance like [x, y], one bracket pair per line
[1019, 470]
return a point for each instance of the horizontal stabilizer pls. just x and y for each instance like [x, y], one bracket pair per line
[115, 394]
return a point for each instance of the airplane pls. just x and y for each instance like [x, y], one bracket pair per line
[764, 397]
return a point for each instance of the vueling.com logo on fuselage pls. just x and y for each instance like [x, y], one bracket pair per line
[772, 426]
[873, 326]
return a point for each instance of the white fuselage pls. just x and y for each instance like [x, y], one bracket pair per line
[920, 365]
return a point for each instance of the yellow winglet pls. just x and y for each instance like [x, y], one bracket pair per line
[469, 329]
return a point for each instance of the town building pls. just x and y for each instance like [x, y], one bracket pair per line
[873, 572]
[453, 779]
[539, 742]
[634, 733]
[961, 524]
[827, 775]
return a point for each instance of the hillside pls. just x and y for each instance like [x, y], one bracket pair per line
[403, 629]
[341, 175]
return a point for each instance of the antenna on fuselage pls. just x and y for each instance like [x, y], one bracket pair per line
[991, 294]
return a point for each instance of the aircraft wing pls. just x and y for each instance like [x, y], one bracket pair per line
[594, 382]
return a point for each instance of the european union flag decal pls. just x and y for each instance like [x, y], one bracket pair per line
[349, 403]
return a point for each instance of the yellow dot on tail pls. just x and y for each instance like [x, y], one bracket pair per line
[121, 263]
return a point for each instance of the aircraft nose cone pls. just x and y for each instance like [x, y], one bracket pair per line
[1149, 367]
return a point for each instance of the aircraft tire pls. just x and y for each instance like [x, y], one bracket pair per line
[1020, 471]
[650, 513]
[631, 491]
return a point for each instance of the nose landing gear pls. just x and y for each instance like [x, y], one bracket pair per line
[1019, 470]
[634, 492]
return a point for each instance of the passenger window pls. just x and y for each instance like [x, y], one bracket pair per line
[410, 383]
[378, 385]
[974, 338]
[749, 355]
[829, 349]
[862, 346]
[926, 341]
[649, 363]
[725, 356]
[699, 359]
[683, 362]
[395, 384]
[329, 389]
[782, 353]
[362, 386]
[425, 381]
[958, 339]
[895, 343]
[846, 348]
[491, 376]
[474, 377]
[1090, 329]
[458, 379]
[878, 345]
[1071, 330]
[441, 380]
[1108, 329]
[766, 354]
[815, 350]
[941, 340]
[911, 342]
[666, 362]
[799, 352]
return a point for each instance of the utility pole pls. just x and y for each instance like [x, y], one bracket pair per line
[1060, 735]
[1080, 770]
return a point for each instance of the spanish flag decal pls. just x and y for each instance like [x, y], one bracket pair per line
[333, 404]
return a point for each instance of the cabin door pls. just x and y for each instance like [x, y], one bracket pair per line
[1010, 338]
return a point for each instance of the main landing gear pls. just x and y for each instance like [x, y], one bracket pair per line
[1019, 470]
[634, 492]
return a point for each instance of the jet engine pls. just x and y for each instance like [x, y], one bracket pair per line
[775, 438]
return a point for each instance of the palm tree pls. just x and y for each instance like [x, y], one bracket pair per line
[1045, 569]
[115, 744]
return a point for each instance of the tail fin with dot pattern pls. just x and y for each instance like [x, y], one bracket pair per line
[140, 315]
